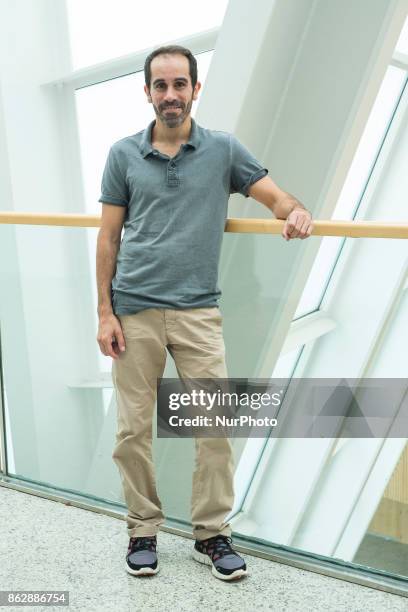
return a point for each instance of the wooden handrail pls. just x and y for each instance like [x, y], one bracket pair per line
[352, 229]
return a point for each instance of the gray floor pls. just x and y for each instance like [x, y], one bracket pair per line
[48, 545]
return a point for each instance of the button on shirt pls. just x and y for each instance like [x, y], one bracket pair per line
[175, 217]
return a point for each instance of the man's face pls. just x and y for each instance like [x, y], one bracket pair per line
[171, 91]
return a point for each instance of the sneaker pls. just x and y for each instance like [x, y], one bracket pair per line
[141, 558]
[217, 552]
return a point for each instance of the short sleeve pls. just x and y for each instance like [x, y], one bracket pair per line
[114, 189]
[245, 168]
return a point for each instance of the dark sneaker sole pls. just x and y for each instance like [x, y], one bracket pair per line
[202, 558]
[143, 571]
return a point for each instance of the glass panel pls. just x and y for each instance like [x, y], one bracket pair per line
[103, 29]
[354, 186]
[61, 421]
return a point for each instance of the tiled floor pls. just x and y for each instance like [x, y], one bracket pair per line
[48, 545]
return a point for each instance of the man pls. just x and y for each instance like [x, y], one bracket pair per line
[169, 186]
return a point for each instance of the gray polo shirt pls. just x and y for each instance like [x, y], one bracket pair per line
[175, 218]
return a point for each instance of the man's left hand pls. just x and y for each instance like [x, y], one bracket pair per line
[298, 224]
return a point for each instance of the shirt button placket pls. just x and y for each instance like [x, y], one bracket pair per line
[172, 175]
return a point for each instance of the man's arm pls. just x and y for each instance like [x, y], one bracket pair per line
[284, 206]
[108, 243]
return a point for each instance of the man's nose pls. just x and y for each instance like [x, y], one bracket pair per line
[170, 95]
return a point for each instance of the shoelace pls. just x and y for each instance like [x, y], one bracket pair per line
[218, 547]
[144, 543]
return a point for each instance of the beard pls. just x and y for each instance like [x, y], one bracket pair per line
[173, 118]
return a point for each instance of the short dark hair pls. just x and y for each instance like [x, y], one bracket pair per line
[171, 50]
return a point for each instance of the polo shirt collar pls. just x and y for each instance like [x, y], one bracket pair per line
[146, 143]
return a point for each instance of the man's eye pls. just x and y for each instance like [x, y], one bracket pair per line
[180, 84]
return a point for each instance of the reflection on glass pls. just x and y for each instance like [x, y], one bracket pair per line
[126, 26]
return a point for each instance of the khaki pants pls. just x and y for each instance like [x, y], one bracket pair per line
[194, 339]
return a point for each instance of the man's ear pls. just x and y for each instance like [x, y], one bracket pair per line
[197, 88]
[147, 92]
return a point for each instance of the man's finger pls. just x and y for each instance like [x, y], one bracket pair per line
[106, 346]
[294, 230]
[303, 229]
[120, 339]
[309, 229]
[110, 348]
[287, 230]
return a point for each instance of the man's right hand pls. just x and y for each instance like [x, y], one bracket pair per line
[110, 336]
